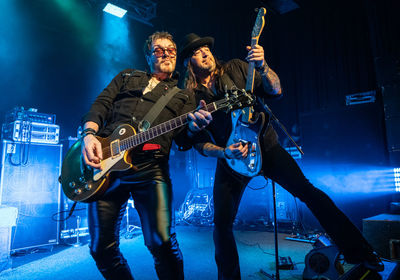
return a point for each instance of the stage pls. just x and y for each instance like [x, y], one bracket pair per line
[256, 250]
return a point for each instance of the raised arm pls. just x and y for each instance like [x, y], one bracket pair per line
[270, 79]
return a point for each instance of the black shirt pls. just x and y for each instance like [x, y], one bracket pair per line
[221, 126]
[123, 102]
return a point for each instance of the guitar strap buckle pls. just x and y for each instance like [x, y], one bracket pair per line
[144, 125]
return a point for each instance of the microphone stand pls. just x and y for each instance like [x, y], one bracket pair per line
[275, 119]
[281, 126]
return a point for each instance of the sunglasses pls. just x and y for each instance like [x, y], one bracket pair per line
[159, 51]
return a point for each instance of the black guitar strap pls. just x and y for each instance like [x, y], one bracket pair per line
[227, 83]
[153, 113]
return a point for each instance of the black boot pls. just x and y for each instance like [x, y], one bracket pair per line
[373, 262]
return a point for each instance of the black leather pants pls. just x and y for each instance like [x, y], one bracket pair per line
[283, 169]
[150, 188]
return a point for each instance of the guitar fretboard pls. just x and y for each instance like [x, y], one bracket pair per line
[161, 129]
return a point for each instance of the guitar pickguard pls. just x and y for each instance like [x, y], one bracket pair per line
[248, 133]
[107, 165]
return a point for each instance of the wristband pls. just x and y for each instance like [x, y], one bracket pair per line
[86, 134]
[88, 131]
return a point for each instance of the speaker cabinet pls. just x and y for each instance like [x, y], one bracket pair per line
[380, 230]
[387, 70]
[351, 134]
[29, 182]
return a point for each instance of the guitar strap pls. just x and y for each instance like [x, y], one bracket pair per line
[227, 82]
[154, 111]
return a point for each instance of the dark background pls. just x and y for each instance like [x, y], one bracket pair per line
[57, 56]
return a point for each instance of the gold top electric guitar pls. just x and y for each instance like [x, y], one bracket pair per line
[83, 183]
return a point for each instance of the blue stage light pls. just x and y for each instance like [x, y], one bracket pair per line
[114, 10]
[396, 174]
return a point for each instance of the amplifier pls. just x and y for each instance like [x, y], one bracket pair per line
[380, 230]
[33, 132]
[29, 182]
[19, 113]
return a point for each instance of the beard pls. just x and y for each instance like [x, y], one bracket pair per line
[206, 67]
[167, 66]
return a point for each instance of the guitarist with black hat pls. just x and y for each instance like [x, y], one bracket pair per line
[210, 79]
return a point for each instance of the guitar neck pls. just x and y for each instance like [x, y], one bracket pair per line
[251, 70]
[160, 129]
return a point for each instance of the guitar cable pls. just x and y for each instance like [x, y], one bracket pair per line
[69, 213]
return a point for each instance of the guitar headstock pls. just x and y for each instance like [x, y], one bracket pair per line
[259, 24]
[236, 99]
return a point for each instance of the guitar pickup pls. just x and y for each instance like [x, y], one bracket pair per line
[253, 149]
[115, 149]
[246, 124]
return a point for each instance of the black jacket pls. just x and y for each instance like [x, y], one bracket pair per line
[221, 126]
[122, 102]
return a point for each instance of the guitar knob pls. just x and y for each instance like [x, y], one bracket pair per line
[72, 184]
[82, 179]
[78, 191]
[88, 187]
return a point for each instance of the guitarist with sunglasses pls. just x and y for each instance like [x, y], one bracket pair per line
[209, 79]
[126, 100]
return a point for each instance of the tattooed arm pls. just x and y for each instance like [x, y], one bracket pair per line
[234, 151]
[270, 80]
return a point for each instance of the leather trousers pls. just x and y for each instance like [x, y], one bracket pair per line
[151, 190]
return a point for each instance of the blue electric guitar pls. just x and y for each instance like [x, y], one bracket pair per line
[246, 128]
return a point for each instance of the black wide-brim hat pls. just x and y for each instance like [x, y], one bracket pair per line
[190, 43]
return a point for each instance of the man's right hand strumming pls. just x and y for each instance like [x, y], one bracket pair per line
[236, 151]
[91, 151]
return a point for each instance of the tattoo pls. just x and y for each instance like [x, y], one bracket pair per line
[271, 82]
[209, 149]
